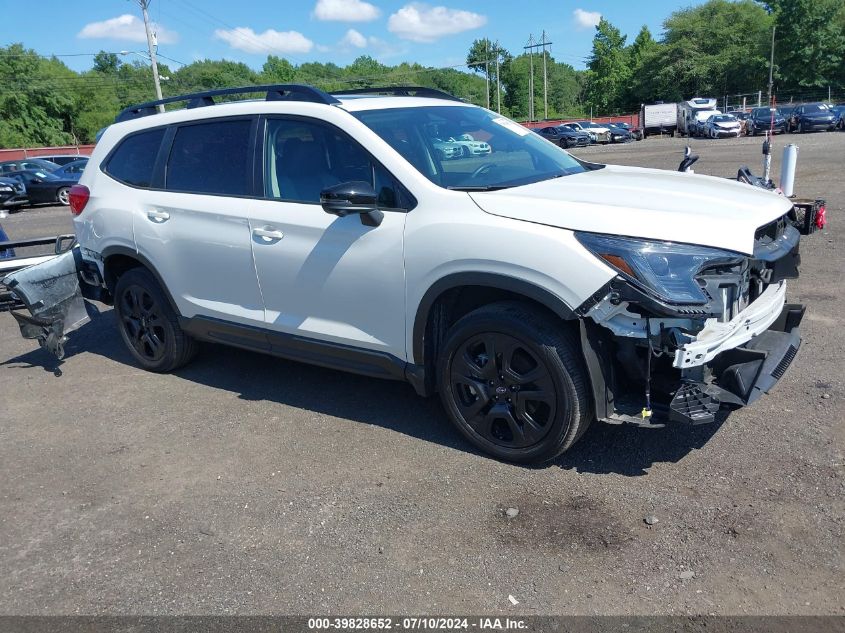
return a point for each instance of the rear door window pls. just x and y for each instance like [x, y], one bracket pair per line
[133, 161]
[211, 158]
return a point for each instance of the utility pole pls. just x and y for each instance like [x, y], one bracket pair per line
[771, 65]
[545, 79]
[530, 49]
[487, 69]
[498, 83]
[532, 44]
[152, 48]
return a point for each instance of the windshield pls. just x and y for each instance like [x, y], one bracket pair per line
[816, 108]
[491, 152]
[723, 118]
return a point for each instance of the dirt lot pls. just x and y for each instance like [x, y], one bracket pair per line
[245, 484]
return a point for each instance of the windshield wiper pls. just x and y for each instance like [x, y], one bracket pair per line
[477, 187]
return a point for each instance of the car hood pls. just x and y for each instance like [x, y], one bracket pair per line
[646, 203]
[821, 116]
[727, 124]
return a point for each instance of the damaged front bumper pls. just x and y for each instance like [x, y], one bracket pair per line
[51, 292]
[651, 362]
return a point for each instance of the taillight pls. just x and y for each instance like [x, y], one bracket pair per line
[78, 196]
[821, 217]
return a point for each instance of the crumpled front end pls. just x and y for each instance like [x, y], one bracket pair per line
[652, 361]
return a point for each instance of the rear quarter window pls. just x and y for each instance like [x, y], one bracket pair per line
[133, 160]
[211, 158]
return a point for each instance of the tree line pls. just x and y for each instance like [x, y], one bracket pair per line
[718, 48]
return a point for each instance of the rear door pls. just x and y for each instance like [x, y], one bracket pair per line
[194, 223]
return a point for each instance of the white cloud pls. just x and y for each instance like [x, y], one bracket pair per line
[586, 19]
[127, 28]
[422, 23]
[353, 39]
[345, 11]
[245, 39]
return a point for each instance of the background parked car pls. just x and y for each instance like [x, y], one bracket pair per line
[63, 159]
[8, 166]
[72, 170]
[43, 186]
[722, 126]
[811, 116]
[12, 193]
[742, 116]
[445, 150]
[636, 133]
[761, 120]
[470, 146]
[565, 136]
[598, 133]
[839, 113]
[619, 134]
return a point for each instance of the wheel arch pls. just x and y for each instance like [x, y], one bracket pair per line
[119, 259]
[453, 296]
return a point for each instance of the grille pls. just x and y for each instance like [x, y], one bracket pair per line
[785, 362]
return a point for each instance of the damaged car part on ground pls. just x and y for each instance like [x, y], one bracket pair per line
[678, 305]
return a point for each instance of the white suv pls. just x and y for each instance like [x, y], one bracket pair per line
[533, 290]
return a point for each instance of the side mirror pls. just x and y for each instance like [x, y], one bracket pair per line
[352, 197]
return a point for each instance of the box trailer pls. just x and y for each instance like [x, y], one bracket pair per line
[658, 118]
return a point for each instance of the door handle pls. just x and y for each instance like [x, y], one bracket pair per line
[268, 234]
[158, 216]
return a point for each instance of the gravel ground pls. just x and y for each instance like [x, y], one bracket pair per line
[243, 484]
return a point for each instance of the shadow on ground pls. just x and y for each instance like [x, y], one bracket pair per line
[604, 449]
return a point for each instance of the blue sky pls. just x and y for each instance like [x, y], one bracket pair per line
[433, 34]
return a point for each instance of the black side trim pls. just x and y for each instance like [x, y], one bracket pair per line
[489, 280]
[298, 348]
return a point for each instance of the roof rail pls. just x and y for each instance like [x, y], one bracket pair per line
[274, 92]
[400, 91]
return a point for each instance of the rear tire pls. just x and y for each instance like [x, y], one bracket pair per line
[148, 325]
[63, 196]
[512, 380]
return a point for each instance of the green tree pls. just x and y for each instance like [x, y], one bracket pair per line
[106, 63]
[717, 48]
[277, 70]
[609, 69]
[810, 43]
[35, 108]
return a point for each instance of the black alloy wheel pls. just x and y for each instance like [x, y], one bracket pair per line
[148, 324]
[503, 391]
[513, 382]
[143, 323]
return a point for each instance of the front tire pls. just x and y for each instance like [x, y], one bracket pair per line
[512, 380]
[148, 325]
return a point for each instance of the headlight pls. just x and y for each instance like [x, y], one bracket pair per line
[664, 269]
[6, 189]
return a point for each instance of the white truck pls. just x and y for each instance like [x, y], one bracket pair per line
[658, 118]
[693, 113]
